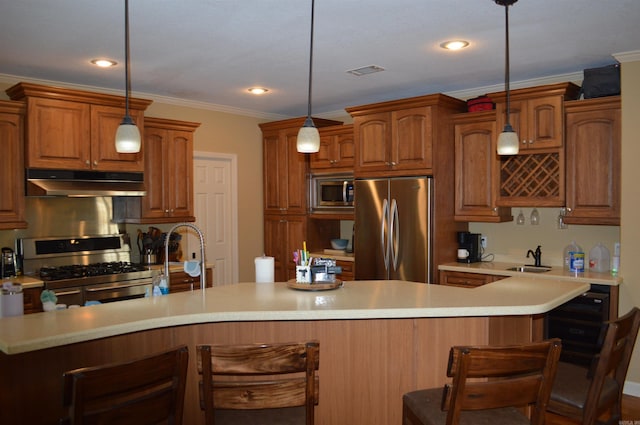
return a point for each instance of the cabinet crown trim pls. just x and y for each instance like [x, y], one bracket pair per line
[23, 90]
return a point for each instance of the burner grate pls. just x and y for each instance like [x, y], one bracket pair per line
[77, 271]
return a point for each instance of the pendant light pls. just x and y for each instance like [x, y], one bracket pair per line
[128, 135]
[308, 137]
[507, 140]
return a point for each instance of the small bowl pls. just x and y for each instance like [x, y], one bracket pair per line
[339, 243]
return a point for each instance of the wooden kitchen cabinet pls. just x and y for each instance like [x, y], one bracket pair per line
[181, 281]
[397, 138]
[336, 150]
[536, 114]
[393, 141]
[535, 177]
[466, 280]
[347, 270]
[12, 205]
[593, 161]
[477, 169]
[168, 175]
[31, 300]
[75, 130]
[285, 169]
[283, 234]
[285, 192]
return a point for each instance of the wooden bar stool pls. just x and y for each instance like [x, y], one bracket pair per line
[490, 385]
[276, 383]
[145, 391]
[587, 394]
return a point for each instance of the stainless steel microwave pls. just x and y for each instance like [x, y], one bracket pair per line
[332, 192]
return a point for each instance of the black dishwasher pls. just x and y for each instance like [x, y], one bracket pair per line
[579, 323]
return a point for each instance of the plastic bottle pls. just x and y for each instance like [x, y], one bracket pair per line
[573, 247]
[599, 258]
[160, 285]
[615, 266]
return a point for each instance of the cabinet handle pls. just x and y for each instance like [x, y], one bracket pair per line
[531, 142]
[95, 162]
[87, 162]
[495, 209]
[393, 163]
[569, 209]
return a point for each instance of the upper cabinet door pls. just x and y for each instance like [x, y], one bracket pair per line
[372, 136]
[59, 134]
[593, 161]
[411, 141]
[336, 150]
[12, 165]
[105, 121]
[477, 169]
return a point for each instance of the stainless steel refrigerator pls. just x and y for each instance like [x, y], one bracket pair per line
[393, 229]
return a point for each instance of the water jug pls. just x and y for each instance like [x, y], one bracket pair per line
[599, 258]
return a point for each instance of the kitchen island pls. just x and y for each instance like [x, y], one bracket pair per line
[378, 339]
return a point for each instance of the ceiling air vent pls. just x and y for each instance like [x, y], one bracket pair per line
[365, 70]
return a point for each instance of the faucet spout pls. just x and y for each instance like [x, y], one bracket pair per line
[203, 265]
[537, 256]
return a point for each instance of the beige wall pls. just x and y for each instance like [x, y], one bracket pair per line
[630, 229]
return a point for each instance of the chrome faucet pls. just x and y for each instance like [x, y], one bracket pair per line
[537, 256]
[203, 265]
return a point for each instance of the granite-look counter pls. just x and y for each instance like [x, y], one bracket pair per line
[519, 295]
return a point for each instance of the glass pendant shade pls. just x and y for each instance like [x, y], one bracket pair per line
[128, 137]
[308, 138]
[508, 141]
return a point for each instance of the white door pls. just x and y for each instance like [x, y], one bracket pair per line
[216, 211]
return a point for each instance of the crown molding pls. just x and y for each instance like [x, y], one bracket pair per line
[13, 79]
[632, 56]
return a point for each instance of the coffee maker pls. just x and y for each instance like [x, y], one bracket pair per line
[8, 262]
[469, 247]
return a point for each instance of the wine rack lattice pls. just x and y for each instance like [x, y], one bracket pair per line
[534, 175]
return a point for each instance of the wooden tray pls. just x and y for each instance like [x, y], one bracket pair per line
[314, 286]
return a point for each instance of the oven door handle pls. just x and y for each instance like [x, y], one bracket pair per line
[117, 286]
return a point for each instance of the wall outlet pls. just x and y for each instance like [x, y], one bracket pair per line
[483, 241]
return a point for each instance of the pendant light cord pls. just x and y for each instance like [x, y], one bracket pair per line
[310, 59]
[127, 66]
[506, 65]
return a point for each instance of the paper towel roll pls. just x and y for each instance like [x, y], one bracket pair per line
[264, 269]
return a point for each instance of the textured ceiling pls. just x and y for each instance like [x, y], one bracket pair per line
[211, 51]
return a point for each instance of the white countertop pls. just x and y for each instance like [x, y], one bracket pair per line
[556, 273]
[277, 302]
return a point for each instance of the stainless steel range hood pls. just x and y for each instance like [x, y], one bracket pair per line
[83, 183]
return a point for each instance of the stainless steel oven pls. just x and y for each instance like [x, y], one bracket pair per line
[81, 270]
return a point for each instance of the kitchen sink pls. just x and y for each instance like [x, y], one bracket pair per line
[529, 269]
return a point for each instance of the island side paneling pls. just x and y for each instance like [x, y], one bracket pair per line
[365, 365]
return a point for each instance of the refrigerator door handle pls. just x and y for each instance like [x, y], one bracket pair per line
[383, 223]
[394, 233]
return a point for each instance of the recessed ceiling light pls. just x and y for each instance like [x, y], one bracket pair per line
[257, 90]
[365, 70]
[104, 63]
[454, 44]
